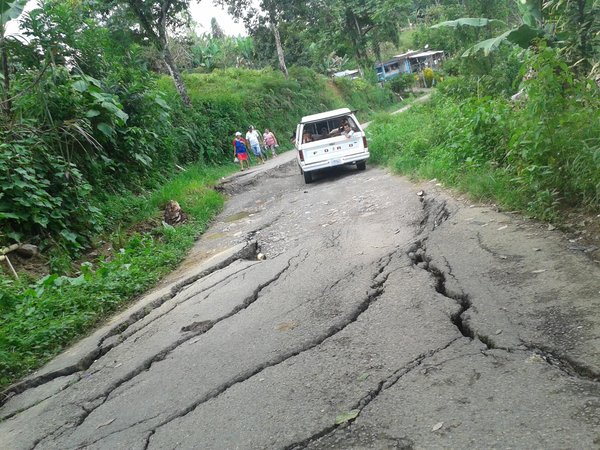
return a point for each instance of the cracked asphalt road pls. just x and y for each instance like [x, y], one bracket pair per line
[379, 319]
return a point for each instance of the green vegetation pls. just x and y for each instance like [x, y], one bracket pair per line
[535, 154]
[39, 317]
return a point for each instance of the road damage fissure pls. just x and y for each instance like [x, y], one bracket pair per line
[86, 361]
[564, 363]
[376, 289]
[436, 212]
[383, 385]
[192, 331]
[417, 254]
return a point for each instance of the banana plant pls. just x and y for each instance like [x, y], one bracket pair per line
[532, 28]
[8, 11]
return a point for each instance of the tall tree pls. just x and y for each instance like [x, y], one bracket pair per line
[155, 18]
[215, 29]
[361, 25]
[272, 13]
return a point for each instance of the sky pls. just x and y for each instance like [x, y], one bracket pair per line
[202, 12]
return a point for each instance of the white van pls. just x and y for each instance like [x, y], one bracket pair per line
[330, 139]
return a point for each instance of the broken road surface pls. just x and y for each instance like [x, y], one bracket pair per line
[379, 319]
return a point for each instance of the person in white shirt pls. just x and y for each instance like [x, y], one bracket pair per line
[348, 131]
[254, 143]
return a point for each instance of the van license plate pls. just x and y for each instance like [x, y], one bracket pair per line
[335, 162]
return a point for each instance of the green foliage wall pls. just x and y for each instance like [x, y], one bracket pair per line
[537, 153]
[77, 138]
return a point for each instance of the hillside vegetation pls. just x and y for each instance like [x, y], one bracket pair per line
[113, 199]
[538, 153]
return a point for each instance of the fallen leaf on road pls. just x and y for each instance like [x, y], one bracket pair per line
[498, 331]
[346, 416]
[437, 426]
[106, 423]
[363, 377]
[287, 325]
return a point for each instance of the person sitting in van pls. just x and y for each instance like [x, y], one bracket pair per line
[348, 131]
[307, 137]
[339, 130]
[324, 134]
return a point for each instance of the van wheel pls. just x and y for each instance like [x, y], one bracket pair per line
[307, 177]
[361, 165]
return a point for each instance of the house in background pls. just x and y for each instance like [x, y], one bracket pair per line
[413, 61]
[431, 58]
[395, 66]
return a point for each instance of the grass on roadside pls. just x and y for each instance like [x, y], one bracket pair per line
[38, 318]
[488, 149]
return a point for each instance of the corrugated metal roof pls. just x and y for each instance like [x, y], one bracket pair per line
[406, 55]
[345, 73]
[429, 53]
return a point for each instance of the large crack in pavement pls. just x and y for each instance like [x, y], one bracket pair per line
[563, 363]
[435, 214]
[383, 385]
[375, 291]
[86, 361]
[195, 330]
[418, 255]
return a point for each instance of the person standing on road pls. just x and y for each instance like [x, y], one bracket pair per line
[239, 151]
[270, 142]
[253, 140]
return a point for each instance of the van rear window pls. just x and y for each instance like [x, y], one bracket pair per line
[325, 129]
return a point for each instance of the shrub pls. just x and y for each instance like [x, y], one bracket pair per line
[534, 155]
[428, 76]
[42, 193]
[401, 83]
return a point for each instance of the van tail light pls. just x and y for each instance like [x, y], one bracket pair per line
[365, 142]
[301, 155]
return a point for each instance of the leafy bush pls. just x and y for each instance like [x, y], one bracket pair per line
[534, 155]
[42, 193]
[401, 83]
[556, 140]
[428, 76]
[39, 317]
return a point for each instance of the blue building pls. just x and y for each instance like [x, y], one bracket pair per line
[413, 61]
[395, 66]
